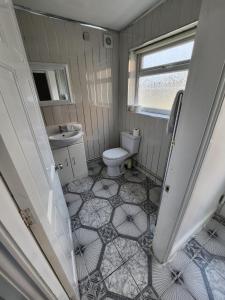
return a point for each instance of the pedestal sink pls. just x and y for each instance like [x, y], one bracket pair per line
[65, 138]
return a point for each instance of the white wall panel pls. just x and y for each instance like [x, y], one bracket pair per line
[93, 73]
[167, 17]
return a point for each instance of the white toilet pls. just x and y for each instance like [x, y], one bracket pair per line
[114, 158]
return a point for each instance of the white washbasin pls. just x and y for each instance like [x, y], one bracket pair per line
[65, 138]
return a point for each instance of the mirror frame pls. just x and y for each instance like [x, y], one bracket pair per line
[37, 66]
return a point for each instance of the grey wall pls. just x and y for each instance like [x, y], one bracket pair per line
[93, 71]
[94, 75]
[167, 17]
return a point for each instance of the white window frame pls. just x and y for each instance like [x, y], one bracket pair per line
[135, 72]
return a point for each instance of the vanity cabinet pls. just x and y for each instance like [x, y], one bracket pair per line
[73, 161]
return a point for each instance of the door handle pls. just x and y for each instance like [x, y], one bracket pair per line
[58, 167]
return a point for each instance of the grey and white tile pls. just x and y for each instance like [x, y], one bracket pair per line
[95, 213]
[105, 188]
[133, 193]
[135, 176]
[74, 202]
[148, 294]
[93, 287]
[162, 277]
[177, 292]
[113, 236]
[94, 168]
[130, 220]
[122, 283]
[107, 233]
[126, 247]
[87, 249]
[155, 194]
[137, 265]
[80, 185]
[116, 201]
[111, 260]
[145, 242]
[216, 282]
[149, 207]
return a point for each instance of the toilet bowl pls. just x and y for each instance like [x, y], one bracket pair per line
[114, 158]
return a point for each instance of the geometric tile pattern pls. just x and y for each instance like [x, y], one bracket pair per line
[113, 223]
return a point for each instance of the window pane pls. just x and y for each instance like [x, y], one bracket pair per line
[158, 91]
[168, 55]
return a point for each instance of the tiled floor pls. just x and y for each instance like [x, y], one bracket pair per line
[113, 223]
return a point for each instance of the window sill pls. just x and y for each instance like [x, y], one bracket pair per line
[150, 114]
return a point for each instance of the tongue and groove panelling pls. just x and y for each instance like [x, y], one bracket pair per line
[93, 73]
[167, 17]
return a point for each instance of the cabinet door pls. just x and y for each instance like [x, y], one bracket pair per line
[61, 156]
[78, 160]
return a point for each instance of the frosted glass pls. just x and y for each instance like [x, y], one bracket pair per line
[168, 55]
[158, 91]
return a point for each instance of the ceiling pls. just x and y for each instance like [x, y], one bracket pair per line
[112, 14]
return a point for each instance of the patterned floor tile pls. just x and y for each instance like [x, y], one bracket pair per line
[80, 185]
[130, 220]
[155, 194]
[189, 275]
[116, 201]
[87, 195]
[149, 207]
[134, 176]
[94, 168]
[148, 294]
[111, 260]
[218, 227]
[74, 202]
[137, 265]
[145, 242]
[113, 226]
[93, 287]
[162, 277]
[75, 222]
[216, 281]
[197, 253]
[133, 193]
[107, 233]
[177, 292]
[95, 213]
[122, 283]
[105, 188]
[87, 249]
[126, 247]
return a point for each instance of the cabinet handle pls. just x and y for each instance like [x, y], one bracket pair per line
[73, 160]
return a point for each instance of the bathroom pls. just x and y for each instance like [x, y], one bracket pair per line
[111, 152]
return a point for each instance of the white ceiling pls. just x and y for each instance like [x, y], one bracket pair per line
[113, 14]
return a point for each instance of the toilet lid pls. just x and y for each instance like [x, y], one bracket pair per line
[115, 153]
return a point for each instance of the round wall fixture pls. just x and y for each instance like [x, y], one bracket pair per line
[108, 41]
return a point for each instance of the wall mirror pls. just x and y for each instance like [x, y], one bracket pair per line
[52, 83]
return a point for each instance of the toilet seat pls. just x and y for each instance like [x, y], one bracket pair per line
[115, 153]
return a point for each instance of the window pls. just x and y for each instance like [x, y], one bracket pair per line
[161, 71]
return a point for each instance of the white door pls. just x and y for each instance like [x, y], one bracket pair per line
[61, 156]
[78, 160]
[30, 170]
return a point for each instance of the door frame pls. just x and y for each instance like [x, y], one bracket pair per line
[201, 105]
[14, 235]
[213, 117]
